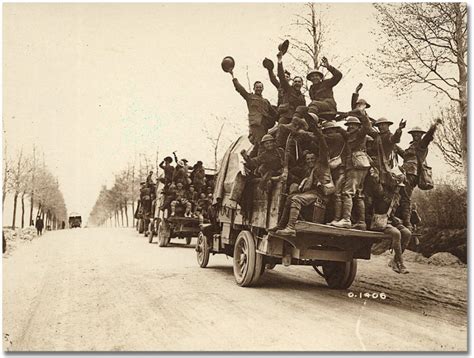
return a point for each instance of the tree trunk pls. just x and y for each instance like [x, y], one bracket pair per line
[121, 214]
[32, 202]
[126, 213]
[22, 210]
[462, 84]
[15, 200]
[133, 213]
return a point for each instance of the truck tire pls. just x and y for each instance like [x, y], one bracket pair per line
[247, 262]
[202, 250]
[340, 275]
[163, 234]
[141, 226]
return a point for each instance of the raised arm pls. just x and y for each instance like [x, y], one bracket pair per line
[175, 157]
[429, 136]
[162, 165]
[239, 88]
[336, 75]
[273, 78]
[281, 73]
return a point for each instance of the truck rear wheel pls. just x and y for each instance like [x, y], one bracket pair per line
[247, 262]
[188, 241]
[163, 234]
[340, 275]
[202, 250]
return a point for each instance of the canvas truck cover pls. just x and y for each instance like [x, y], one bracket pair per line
[232, 163]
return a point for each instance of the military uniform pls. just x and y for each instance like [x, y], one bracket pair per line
[357, 164]
[262, 115]
[314, 189]
[292, 98]
[413, 157]
[322, 95]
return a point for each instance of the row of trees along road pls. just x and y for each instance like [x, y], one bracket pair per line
[26, 177]
[112, 205]
[421, 46]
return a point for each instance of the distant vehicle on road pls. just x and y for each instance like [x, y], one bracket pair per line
[75, 220]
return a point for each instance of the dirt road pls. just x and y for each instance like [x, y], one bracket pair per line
[108, 289]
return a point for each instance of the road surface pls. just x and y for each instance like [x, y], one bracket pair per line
[109, 289]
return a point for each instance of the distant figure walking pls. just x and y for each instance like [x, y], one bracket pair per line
[39, 225]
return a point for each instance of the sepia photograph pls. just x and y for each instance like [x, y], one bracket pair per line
[235, 177]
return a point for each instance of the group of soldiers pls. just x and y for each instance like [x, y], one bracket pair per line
[185, 187]
[355, 171]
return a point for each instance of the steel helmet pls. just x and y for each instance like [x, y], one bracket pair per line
[363, 101]
[228, 64]
[382, 120]
[353, 120]
[329, 125]
[416, 129]
[268, 64]
[266, 138]
[314, 72]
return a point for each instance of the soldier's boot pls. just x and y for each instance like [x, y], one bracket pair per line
[345, 222]
[173, 209]
[283, 220]
[360, 209]
[337, 210]
[289, 230]
[187, 213]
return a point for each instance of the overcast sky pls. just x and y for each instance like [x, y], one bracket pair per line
[95, 85]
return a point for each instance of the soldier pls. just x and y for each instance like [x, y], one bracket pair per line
[268, 163]
[335, 139]
[386, 198]
[262, 115]
[168, 169]
[149, 179]
[385, 143]
[268, 64]
[180, 198]
[292, 98]
[315, 188]
[145, 199]
[413, 157]
[198, 177]
[179, 175]
[357, 164]
[321, 90]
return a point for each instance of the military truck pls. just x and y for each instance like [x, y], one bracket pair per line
[75, 220]
[242, 233]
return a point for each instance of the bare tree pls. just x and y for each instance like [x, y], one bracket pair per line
[307, 49]
[425, 44]
[6, 174]
[19, 178]
[214, 138]
[448, 138]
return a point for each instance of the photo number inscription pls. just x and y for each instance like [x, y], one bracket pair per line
[374, 295]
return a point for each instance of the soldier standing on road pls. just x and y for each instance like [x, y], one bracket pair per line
[413, 157]
[321, 90]
[262, 115]
[39, 225]
[357, 165]
[292, 98]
